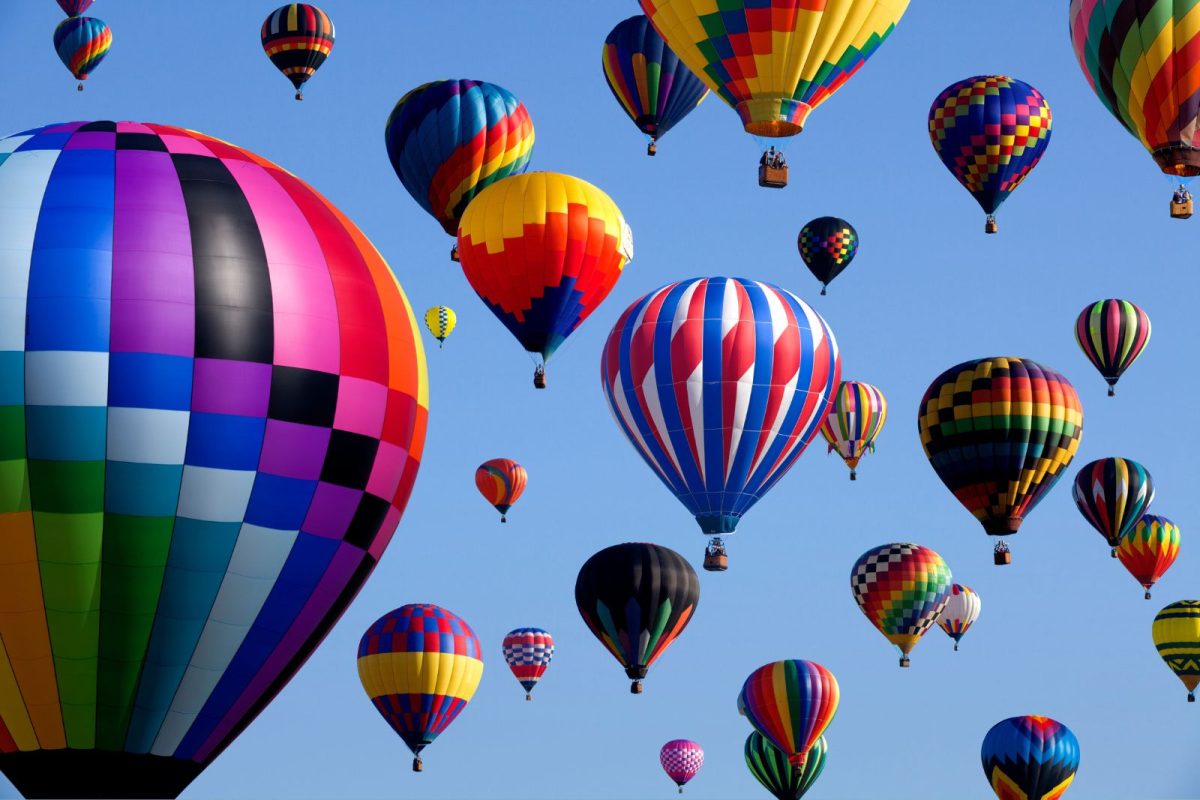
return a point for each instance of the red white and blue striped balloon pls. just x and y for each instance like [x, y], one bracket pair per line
[681, 759]
[720, 384]
[528, 652]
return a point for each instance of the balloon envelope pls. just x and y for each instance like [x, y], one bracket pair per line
[854, 421]
[1112, 334]
[791, 703]
[901, 588]
[681, 759]
[1149, 550]
[827, 246]
[1031, 758]
[501, 481]
[297, 38]
[1113, 494]
[528, 652]
[73, 8]
[770, 767]
[441, 321]
[1176, 632]
[82, 43]
[961, 610]
[191, 489]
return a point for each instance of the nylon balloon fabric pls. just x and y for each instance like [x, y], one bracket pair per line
[1149, 550]
[636, 599]
[720, 384]
[213, 410]
[854, 421]
[441, 321]
[1030, 758]
[1113, 494]
[827, 246]
[652, 85]
[770, 767]
[791, 703]
[501, 481]
[774, 61]
[1112, 334]
[999, 433]
[961, 610]
[681, 759]
[82, 43]
[990, 131]
[73, 8]
[901, 588]
[528, 652]
[1176, 632]
[1141, 60]
[297, 38]
[542, 251]
[420, 665]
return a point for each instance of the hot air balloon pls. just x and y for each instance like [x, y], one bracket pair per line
[1000, 432]
[501, 481]
[1113, 494]
[1176, 633]
[774, 61]
[73, 8]
[854, 421]
[652, 85]
[990, 131]
[901, 588]
[297, 38]
[960, 613]
[82, 43]
[720, 384]
[543, 251]
[234, 469]
[827, 246]
[450, 140]
[636, 598]
[1112, 334]
[420, 665]
[770, 767]
[1030, 758]
[440, 320]
[1142, 62]
[791, 703]
[1149, 550]
[681, 759]
[528, 652]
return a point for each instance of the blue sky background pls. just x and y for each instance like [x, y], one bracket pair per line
[1064, 631]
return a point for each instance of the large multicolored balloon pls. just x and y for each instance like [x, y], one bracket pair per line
[297, 38]
[1113, 494]
[1030, 758]
[636, 599]
[542, 251]
[652, 85]
[854, 421]
[1149, 550]
[212, 395]
[720, 384]
[827, 246]
[528, 652]
[1112, 334]
[420, 665]
[450, 140]
[791, 703]
[999, 433]
[961, 610]
[441, 321]
[901, 588]
[1141, 60]
[1176, 632]
[501, 481]
[81, 44]
[770, 767]
[73, 8]
[990, 131]
[681, 759]
[774, 61]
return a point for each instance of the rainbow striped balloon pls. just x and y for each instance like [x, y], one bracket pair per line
[501, 481]
[1112, 334]
[420, 665]
[82, 43]
[449, 140]
[854, 421]
[901, 588]
[1149, 550]
[791, 703]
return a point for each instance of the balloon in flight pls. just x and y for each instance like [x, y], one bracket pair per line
[854, 421]
[441, 321]
[681, 759]
[81, 44]
[791, 703]
[1113, 494]
[961, 610]
[527, 652]
[1149, 550]
[1030, 758]
[901, 588]
[771, 768]
[1112, 334]
[827, 246]
[501, 481]
[297, 37]
[1176, 632]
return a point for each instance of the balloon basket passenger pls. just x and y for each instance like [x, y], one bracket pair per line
[772, 169]
[715, 557]
[1181, 204]
[1002, 555]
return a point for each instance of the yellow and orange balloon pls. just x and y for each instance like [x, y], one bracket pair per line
[501, 481]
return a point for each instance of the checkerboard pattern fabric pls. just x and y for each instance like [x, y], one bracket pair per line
[901, 588]
[827, 246]
[528, 652]
[681, 759]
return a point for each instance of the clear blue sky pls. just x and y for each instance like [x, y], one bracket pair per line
[1064, 631]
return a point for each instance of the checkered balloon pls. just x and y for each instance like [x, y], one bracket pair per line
[681, 759]
[528, 652]
[901, 588]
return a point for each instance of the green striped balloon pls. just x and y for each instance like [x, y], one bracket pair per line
[770, 767]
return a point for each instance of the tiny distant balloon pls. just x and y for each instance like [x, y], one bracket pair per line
[1149, 550]
[827, 246]
[1176, 632]
[501, 481]
[82, 43]
[960, 613]
[1112, 334]
[770, 767]
[528, 652]
[1113, 494]
[854, 421]
[1030, 758]
[73, 8]
[297, 38]
[901, 588]
[441, 320]
[681, 759]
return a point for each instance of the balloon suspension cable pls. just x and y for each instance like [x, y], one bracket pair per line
[904, 661]
[635, 687]
[418, 766]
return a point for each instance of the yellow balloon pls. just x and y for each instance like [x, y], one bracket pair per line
[1177, 636]
[441, 321]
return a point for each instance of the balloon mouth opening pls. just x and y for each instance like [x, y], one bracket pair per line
[1003, 527]
[1179, 160]
[773, 118]
[717, 524]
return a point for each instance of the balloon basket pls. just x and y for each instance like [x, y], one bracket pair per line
[1147, 594]
[299, 95]
[503, 520]
[904, 662]
[1191, 697]
[990, 226]
[681, 790]
[528, 697]
[454, 254]
[853, 475]
[823, 288]
[635, 687]
[652, 149]
[417, 765]
[716, 563]
[1112, 391]
[1113, 552]
[1181, 210]
[956, 647]
[79, 88]
[539, 379]
[1003, 559]
[772, 177]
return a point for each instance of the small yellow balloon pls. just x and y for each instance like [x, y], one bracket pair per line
[441, 321]
[1177, 636]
